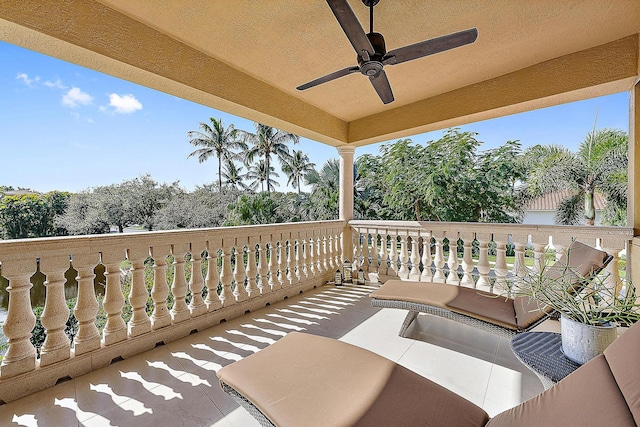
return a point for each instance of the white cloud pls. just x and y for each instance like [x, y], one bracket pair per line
[57, 84]
[75, 97]
[124, 104]
[26, 80]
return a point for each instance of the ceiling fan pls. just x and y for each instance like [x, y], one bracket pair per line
[371, 50]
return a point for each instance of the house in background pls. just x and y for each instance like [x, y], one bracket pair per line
[542, 210]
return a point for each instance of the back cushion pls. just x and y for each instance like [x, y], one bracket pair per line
[587, 397]
[582, 259]
[624, 362]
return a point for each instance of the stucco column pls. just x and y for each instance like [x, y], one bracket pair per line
[633, 204]
[346, 200]
[346, 182]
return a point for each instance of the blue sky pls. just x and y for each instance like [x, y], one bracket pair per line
[65, 127]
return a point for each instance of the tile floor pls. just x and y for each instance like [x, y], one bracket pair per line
[176, 385]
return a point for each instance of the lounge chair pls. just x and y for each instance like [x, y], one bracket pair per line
[491, 312]
[308, 380]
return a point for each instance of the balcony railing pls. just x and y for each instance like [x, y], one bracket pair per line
[403, 249]
[246, 268]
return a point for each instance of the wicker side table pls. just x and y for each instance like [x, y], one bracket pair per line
[542, 353]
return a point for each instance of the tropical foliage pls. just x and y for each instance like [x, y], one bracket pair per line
[599, 165]
[267, 142]
[215, 141]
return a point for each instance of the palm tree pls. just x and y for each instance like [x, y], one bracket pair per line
[216, 141]
[267, 141]
[600, 164]
[233, 175]
[258, 173]
[297, 166]
[325, 189]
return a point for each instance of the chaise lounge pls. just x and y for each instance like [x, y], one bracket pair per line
[308, 380]
[491, 312]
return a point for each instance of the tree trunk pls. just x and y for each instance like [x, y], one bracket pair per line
[589, 209]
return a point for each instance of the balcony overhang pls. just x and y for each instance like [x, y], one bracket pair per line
[247, 59]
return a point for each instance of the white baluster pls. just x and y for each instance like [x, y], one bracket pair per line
[483, 262]
[263, 269]
[289, 248]
[384, 254]
[373, 266]
[319, 255]
[226, 275]
[240, 292]
[86, 309]
[56, 313]
[337, 250]
[519, 269]
[538, 253]
[180, 311]
[329, 252]
[115, 329]
[213, 300]
[438, 260]
[197, 305]
[414, 274]
[366, 263]
[500, 268]
[302, 269]
[139, 323]
[21, 355]
[467, 259]
[251, 270]
[427, 274]
[274, 283]
[393, 255]
[452, 261]
[160, 317]
[403, 273]
[311, 256]
[282, 263]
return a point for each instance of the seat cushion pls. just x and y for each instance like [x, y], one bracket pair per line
[307, 380]
[429, 293]
[485, 306]
[587, 397]
[622, 357]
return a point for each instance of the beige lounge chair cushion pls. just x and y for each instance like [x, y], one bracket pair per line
[624, 362]
[307, 380]
[587, 397]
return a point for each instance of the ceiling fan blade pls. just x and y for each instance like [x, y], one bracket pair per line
[381, 85]
[351, 26]
[329, 77]
[431, 46]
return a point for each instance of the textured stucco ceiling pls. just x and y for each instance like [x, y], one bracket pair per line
[247, 57]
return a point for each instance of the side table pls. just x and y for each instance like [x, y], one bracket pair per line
[542, 353]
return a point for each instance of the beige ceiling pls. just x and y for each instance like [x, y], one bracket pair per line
[247, 57]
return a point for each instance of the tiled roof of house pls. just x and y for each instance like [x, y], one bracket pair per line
[550, 201]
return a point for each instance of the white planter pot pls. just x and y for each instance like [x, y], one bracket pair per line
[582, 342]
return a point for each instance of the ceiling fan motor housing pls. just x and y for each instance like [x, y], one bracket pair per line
[374, 65]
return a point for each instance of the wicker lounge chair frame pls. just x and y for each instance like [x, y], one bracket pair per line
[415, 309]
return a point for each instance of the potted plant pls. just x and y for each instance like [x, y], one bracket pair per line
[590, 312]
